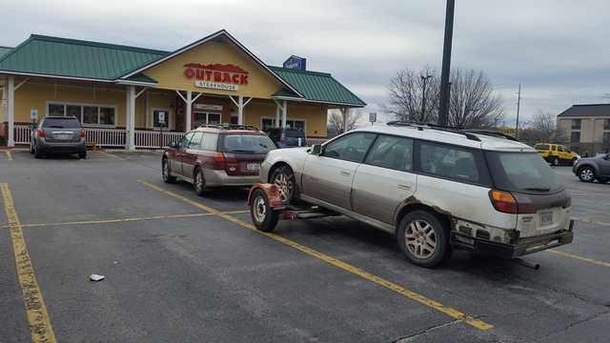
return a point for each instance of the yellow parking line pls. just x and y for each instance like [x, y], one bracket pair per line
[9, 156]
[122, 220]
[36, 311]
[451, 312]
[584, 259]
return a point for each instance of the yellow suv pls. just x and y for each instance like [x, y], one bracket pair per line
[556, 154]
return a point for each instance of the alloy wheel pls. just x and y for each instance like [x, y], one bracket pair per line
[420, 238]
[586, 174]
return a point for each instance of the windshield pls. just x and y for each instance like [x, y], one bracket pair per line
[542, 147]
[522, 172]
[61, 123]
[249, 144]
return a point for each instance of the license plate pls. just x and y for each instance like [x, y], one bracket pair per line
[253, 166]
[546, 218]
[63, 137]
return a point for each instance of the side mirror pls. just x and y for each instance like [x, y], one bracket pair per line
[316, 149]
[172, 145]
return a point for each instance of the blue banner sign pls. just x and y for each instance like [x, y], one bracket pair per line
[295, 62]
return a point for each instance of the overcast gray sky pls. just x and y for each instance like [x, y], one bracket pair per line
[558, 49]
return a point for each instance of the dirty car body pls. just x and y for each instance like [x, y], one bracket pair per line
[433, 189]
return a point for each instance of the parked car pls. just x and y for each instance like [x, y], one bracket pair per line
[214, 156]
[556, 154]
[58, 134]
[287, 138]
[434, 189]
[589, 169]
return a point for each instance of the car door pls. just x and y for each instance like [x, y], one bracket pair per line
[176, 164]
[385, 179]
[328, 176]
[604, 166]
[191, 151]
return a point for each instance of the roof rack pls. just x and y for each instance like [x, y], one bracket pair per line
[227, 126]
[422, 126]
[493, 133]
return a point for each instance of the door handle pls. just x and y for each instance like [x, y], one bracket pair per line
[345, 173]
[405, 187]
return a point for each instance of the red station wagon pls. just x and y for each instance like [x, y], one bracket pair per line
[216, 156]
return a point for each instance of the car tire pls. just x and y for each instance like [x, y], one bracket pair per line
[556, 161]
[283, 178]
[82, 155]
[586, 174]
[199, 182]
[263, 216]
[32, 148]
[423, 238]
[603, 179]
[37, 152]
[166, 172]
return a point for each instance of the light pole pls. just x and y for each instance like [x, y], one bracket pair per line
[444, 101]
[423, 95]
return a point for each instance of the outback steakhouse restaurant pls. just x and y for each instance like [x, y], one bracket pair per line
[140, 98]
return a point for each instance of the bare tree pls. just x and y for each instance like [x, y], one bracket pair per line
[408, 89]
[472, 102]
[343, 120]
[543, 128]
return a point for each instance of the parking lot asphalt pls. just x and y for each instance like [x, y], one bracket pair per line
[183, 268]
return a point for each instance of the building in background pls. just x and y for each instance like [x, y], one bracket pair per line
[125, 96]
[588, 127]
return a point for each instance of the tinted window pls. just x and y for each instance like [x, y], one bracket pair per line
[352, 147]
[209, 141]
[560, 148]
[294, 133]
[244, 143]
[575, 137]
[186, 139]
[542, 147]
[392, 153]
[61, 123]
[521, 172]
[195, 140]
[448, 161]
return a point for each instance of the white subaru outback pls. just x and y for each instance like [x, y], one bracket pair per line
[435, 189]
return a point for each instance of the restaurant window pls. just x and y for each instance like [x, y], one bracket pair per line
[203, 118]
[88, 115]
[160, 116]
[575, 137]
[576, 124]
[290, 124]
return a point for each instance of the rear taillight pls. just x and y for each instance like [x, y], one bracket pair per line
[506, 202]
[40, 133]
[219, 161]
[83, 133]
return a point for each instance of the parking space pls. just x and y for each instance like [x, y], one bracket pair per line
[184, 268]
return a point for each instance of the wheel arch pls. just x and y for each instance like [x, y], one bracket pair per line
[277, 165]
[591, 165]
[444, 216]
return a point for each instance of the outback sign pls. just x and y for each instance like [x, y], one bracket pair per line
[226, 77]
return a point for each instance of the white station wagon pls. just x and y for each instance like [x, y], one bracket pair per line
[435, 189]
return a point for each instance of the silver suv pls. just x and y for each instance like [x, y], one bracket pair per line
[58, 134]
[435, 189]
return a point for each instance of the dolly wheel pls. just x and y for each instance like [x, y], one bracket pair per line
[263, 216]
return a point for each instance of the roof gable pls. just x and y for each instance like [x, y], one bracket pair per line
[75, 58]
[319, 87]
[587, 110]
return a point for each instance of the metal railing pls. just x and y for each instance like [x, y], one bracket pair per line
[111, 138]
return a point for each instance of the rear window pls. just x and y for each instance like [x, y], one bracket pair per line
[61, 123]
[294, 133]
[522, 172]
[249, 144]
[542, 147]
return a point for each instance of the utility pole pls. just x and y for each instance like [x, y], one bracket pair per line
[518, 107]
[446, 68]
[423, 96]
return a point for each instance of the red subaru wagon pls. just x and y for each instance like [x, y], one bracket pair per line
[216, 156]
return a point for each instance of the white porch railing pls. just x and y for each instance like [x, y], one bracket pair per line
[112, 138]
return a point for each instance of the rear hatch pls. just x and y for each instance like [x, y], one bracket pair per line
[61, 129]
[543, 205]
[244, 152]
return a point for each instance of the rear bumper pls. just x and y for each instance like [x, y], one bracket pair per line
[216, 178]
[523, 246]
[66, 147]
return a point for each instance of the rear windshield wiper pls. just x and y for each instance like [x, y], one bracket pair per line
[538, 189]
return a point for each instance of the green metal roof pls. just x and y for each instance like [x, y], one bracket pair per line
[316, 86]
[75, 58]
[71, 58]
[4, 50]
